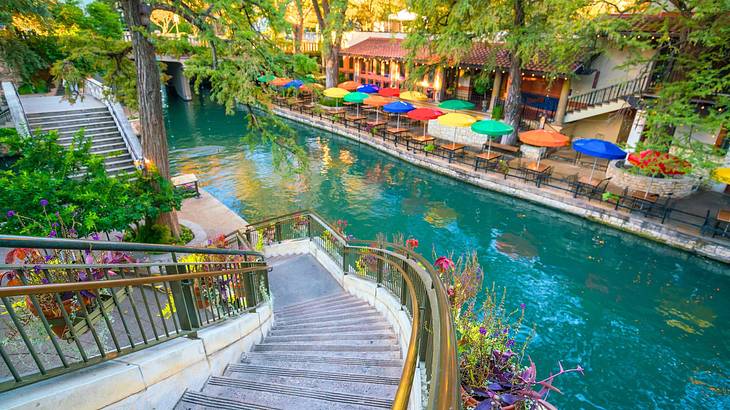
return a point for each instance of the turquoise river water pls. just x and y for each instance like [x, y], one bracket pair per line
[647, 322]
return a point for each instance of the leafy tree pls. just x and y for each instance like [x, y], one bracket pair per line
[104, 20]
[548, 30]
[331, 19]
[687, 44]
[52, 184]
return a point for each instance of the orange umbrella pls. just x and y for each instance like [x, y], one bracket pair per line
[280, 82]
[376, 101]
[349, 85]
[544, 138]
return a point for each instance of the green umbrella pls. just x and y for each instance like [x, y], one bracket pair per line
[357, 98]
[456, 105]
[266, 78]
[492, 128]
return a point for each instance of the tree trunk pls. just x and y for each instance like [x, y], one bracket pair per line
[154, 137]
[514, 94]
[298, 36]
[331, 65]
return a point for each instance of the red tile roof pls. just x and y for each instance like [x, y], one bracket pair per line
[481, 54]
[651, 23]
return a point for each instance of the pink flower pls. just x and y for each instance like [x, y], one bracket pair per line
[444, 264]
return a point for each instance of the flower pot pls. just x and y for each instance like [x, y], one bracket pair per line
[201, 301]
[52, 310]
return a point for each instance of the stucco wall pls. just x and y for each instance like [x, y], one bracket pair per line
[609, 64]
[610, 127]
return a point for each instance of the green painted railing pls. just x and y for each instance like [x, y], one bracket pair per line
[67, 304]
[407, 275]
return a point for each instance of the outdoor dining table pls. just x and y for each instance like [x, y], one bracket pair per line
[644, 196]
[723, 216]
[594, 182]
[355, 118]
[487, 157]
[404, 136]
[535, 167]
[536, 171]
[420, 139]
[452, 148]
[376, 123]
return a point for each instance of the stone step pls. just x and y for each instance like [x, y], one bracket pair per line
[331, 325]
[316, 302]
[322, 337]
[335, 341]
[350, 304]
[93, 135]
[99, 139]
[364, 352]
[290, 397]
[323, 363]
[350, 327]
[108, 147]
[72, 129]
[121, 169]
[336, 317]
[88, 131]
[65, 113]
[192, 400]
[69, 120]
[343, 309]
[374, 386]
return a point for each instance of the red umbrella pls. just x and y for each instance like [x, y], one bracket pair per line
[389, 92]
[659, 162]
[424, 114]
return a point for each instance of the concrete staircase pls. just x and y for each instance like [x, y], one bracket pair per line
[97, 124]
[331, 352]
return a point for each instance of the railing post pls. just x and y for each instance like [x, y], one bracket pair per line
[404, 288]
[277, 232]
[379, 273]
[184, 297]
[309, 227]
[249, 291]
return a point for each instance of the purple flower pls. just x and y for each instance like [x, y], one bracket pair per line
[44, 203]
[55, 224]
[482, 330]
[49, 257]
[522, 306]
[95, 236]
[37, 268]
[11, 214]
[510, 343]
[52, 234]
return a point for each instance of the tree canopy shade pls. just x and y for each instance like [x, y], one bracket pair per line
[550, 30]
[689, 67]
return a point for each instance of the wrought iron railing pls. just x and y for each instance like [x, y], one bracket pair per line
[408, 276]
[17, 112]
[67, 304]
[608, 94]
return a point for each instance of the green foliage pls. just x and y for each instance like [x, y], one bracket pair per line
[498, 112]
[160, 234]
[104, 20]
[72, 183]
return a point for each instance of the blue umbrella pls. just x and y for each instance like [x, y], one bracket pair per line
[398, 107]
[598, 149]
[368, 88]
[294, 84]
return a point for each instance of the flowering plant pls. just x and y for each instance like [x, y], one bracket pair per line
[412, 243]
[490, 347]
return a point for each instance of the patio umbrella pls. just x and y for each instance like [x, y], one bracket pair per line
[544, 138]
[413, 96]
[657, 162]
[721, 175]
[598, 149]
[376, 101]
[398, 107]
[294, 84]
[266, 78]
[356, 98]
[456, 105]
[389, 92]
[336, 93]
[424, 114]
[456, 120]
[349, 85]
[491, 128]
[280, 82]
[368, 88]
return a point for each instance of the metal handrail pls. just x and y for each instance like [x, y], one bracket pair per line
[444, 375]
[13, 241]
[195, 292]
[608, 93]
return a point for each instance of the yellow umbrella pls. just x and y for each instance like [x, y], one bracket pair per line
[335, 92]
[413, 96]
[455, 120]
[721, 175]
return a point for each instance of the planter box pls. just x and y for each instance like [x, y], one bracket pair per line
[79, 322]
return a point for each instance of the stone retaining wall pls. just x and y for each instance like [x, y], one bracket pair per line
[630, 223]
[460, 135]
[679, 186]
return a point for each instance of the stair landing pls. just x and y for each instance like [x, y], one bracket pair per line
[33, 104]
[326, 350]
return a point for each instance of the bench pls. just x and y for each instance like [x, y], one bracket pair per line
[188, 182]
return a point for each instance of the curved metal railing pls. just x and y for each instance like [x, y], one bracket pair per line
[406, 275]
[104, 301]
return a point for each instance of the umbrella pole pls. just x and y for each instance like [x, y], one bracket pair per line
[595, 160]
[397, 122]
[424, 127]
[489, 146]
[377, 113]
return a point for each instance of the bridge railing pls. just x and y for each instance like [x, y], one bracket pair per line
[15, 108]
[67, 304]
[408, 276]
